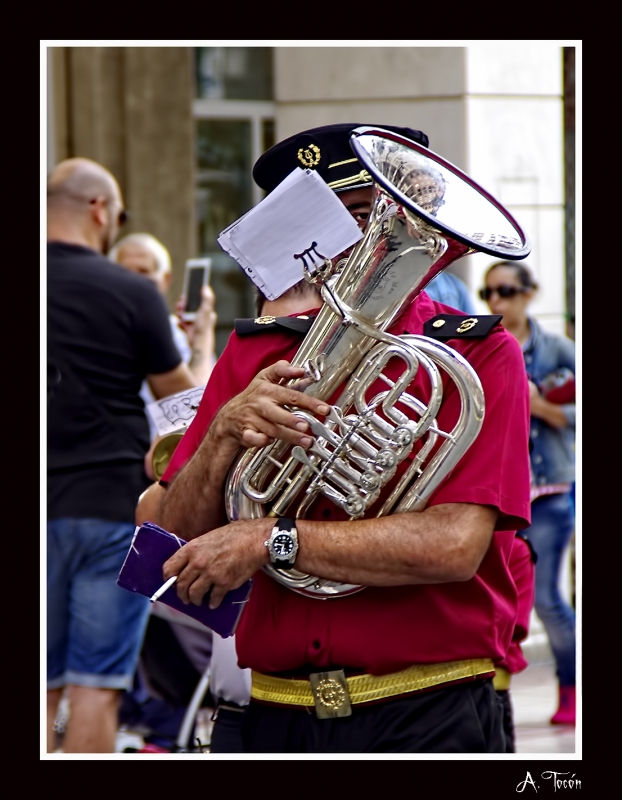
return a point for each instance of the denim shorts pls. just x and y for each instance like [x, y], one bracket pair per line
[95, 629]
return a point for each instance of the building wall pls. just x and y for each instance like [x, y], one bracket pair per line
[418, 87]
[515, 140]
[494, 110]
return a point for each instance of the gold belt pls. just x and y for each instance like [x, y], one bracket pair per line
[332, 692]
[502, 679]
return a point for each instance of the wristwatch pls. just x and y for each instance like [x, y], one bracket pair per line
[283, 543]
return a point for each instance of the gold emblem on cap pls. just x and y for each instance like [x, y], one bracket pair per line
[309, 156]
[439, 323]
[467, 324]
[264, 320]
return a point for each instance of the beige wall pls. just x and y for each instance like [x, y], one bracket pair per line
[493, 109]
[417, 87]
[516, 150]
[130, 109]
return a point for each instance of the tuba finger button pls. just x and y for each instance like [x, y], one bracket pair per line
[402, 436]
[354, 505]
[386, 459]
[370, 481]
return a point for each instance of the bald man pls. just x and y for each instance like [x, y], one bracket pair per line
[196, 341]
[108, 330]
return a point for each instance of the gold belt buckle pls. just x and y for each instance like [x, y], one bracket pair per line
[331, 695]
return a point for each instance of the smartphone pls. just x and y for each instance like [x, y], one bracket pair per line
[195, 278]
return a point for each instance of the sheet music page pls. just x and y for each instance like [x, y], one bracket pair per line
[176, 411]
[302, 217]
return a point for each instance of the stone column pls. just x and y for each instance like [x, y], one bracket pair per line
[130, 109]
[159, 150]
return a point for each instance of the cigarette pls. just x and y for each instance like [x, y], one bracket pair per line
[157, 595]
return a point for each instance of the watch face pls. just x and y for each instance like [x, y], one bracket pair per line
[283, 545]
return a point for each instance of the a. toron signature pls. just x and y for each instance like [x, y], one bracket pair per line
[560, 781]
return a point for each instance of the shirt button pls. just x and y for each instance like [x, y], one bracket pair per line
[316, 645]
[327, 512]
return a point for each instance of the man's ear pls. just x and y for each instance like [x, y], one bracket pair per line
[99, 210]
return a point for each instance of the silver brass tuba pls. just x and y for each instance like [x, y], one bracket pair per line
[426, 214]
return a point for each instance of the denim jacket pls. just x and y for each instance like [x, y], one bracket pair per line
[553, 453]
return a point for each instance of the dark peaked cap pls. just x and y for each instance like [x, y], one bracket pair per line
[326, 150]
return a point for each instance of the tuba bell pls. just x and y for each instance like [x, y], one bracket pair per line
[426, 214]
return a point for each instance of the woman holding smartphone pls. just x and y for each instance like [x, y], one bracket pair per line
[550, 361]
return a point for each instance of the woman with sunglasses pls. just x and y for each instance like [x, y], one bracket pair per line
[550, 361]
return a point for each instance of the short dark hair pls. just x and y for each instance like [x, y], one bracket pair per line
[300, 288]
[522, 270]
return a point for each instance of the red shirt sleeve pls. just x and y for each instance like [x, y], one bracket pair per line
[219, 390]
[496, 471]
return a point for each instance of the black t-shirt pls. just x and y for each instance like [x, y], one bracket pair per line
[107, 329]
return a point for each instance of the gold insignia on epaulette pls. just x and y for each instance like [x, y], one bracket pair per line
[264, 320]
[309, 156]
[467, 324]
[439, 323]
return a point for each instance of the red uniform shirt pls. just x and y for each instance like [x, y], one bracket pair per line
[523, 574]
[385, 629]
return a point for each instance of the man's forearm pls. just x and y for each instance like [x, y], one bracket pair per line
[202, 357]
[194, 502]
[551, 413]
[443, 543]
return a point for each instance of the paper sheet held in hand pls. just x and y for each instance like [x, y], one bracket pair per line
[301, 217]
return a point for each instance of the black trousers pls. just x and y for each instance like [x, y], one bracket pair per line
[227, 732]
[462, 718]
[508, 720]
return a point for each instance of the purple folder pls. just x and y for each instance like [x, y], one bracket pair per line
[142, 572]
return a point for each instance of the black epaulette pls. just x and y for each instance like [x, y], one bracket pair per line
[460, 326]
[245, 327]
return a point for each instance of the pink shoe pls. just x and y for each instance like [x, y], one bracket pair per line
[149, 747]
[566, 713]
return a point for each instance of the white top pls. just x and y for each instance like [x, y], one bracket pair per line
[181, 342]
[228, 682]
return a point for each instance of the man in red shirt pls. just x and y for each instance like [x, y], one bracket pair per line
[411, 657]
